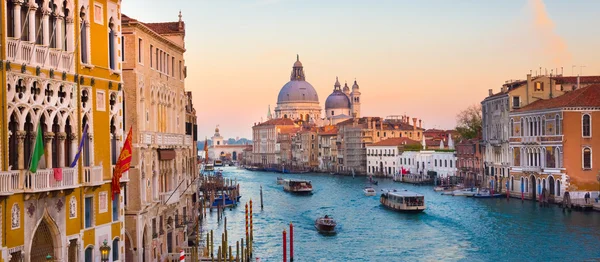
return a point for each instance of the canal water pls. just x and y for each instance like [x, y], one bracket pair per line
[450, 229]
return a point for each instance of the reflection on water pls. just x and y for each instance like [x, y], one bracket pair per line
[452, 228]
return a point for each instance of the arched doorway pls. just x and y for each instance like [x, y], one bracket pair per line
[533, 188]
[144, 244]
[234, 156]
[128, 248]
[43, 241]
[551, 185]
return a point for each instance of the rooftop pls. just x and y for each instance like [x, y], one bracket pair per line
[396, 141]
[588, 96]
[278, 122]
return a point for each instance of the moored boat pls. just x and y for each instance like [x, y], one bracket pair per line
[403, 200]
[465, 192]
[229, 201]
[218, 163]
[369, 191]
[486, 193]
[297, 186]
[441, 188]
[279, 180]
[325, 224]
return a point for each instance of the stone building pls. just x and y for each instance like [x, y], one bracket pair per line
[64, 209]
[469, 161]
[305, 149]
[164, 164]
[283, 147]
[223, 151]
[514, 95]
[327, 157]
[264, 140]
[552, 144]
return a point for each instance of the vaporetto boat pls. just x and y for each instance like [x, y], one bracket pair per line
[403, 201]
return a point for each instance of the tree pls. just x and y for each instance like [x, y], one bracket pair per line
[468, 122]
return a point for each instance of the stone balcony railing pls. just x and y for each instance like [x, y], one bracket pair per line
[24, 52]
[169, 197]
[165, 139]
[10, 182]
[92, 176]
[46, 180]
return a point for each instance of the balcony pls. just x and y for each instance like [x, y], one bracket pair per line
[531, 169]
[10, 182]
[23, 52]
[535, 140]
[92, 176]
[124, 177]
[168, 199]
[45, 180]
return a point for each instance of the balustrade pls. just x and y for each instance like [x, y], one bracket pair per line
[92, 176]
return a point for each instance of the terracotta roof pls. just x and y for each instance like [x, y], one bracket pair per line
[328, 130]
[165, 28]
[588, 96]
[278, 122]
[573, 79]
[395, 141]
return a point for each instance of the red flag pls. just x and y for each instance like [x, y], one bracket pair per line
[122, 165]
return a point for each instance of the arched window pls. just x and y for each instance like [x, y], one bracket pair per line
[89, 254]
[557, 123]
[111, 44]
[587, 158]
[543, 126]
[56, 144]
[585, 125]
[65, 34]
[83, 37]
[512, 127]
[115, 249]
[558, 187]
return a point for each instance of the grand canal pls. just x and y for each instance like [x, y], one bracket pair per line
[451, 229]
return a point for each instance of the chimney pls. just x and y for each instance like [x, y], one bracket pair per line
[491, 92]
[420, 122]
[578, 82]
[529, 85]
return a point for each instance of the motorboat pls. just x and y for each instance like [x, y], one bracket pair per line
[229, 201]
[297, 186]
[486, 193]
[465, 192]
[325, 224]
[218, 162]
[441, 188]
[369, 191]
[374, 182]
[279, 180]
[403, 201]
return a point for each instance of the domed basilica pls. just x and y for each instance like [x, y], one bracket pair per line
[298, 100]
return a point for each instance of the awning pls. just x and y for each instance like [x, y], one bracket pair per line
[166, 154]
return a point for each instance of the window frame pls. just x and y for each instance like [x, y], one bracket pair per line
[92, 211]
[589, 126]
[583, 151]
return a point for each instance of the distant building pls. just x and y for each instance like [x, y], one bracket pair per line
[223, 151]
[469, 161]
[264, 140]
[327, 136]
[382, 156]
[552, 144]
[298, 99]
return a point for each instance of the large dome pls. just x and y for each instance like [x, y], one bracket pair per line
[337, 100]
[297, 91]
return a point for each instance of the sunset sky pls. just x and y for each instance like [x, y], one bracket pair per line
[427, 59]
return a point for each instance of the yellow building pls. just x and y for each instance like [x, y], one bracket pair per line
[61, 67]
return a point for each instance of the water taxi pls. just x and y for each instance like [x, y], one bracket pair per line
[325, 224]
[218, 162]
[403, 200]
[369, 191]
[297, 186]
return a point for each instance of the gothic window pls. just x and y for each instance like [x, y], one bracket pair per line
[10, 18]
[13, 143]
[587, 158]
[65, 27]
[115, 249]
[55, 143]
[53, 23]
[24, 24]
[39, 31]
[73, 207]
[586, 125]
[111, 44]
[15, 216]
[83, 37]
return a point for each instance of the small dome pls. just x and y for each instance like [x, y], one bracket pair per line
[337, 100]
[346, 88]
[355, 86]
[297, 91]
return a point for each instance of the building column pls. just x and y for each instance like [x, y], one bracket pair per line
[58, 35]
[17, 21]
[62, 136]
[91, 139]
[21, 135]
[48, 138]
[31, 23]
[73, 137]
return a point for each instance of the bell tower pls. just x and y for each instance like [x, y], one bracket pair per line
[355, 98]
[217, 139]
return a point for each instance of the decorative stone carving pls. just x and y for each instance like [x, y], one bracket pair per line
[21, 135]
[59, 205]
[31, 209]
[73, 207]
[73, 136]
[48, 136]
[15, 216]
[61, 136]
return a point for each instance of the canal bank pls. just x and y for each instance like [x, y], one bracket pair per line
[452, 228]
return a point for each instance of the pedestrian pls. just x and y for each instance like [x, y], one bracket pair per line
[586, 197]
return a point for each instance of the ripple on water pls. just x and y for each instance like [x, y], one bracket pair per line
[451, 229]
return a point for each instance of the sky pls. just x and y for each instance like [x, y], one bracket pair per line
[427, 59]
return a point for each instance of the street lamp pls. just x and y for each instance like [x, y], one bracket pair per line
[104, 251]
[48, 257]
